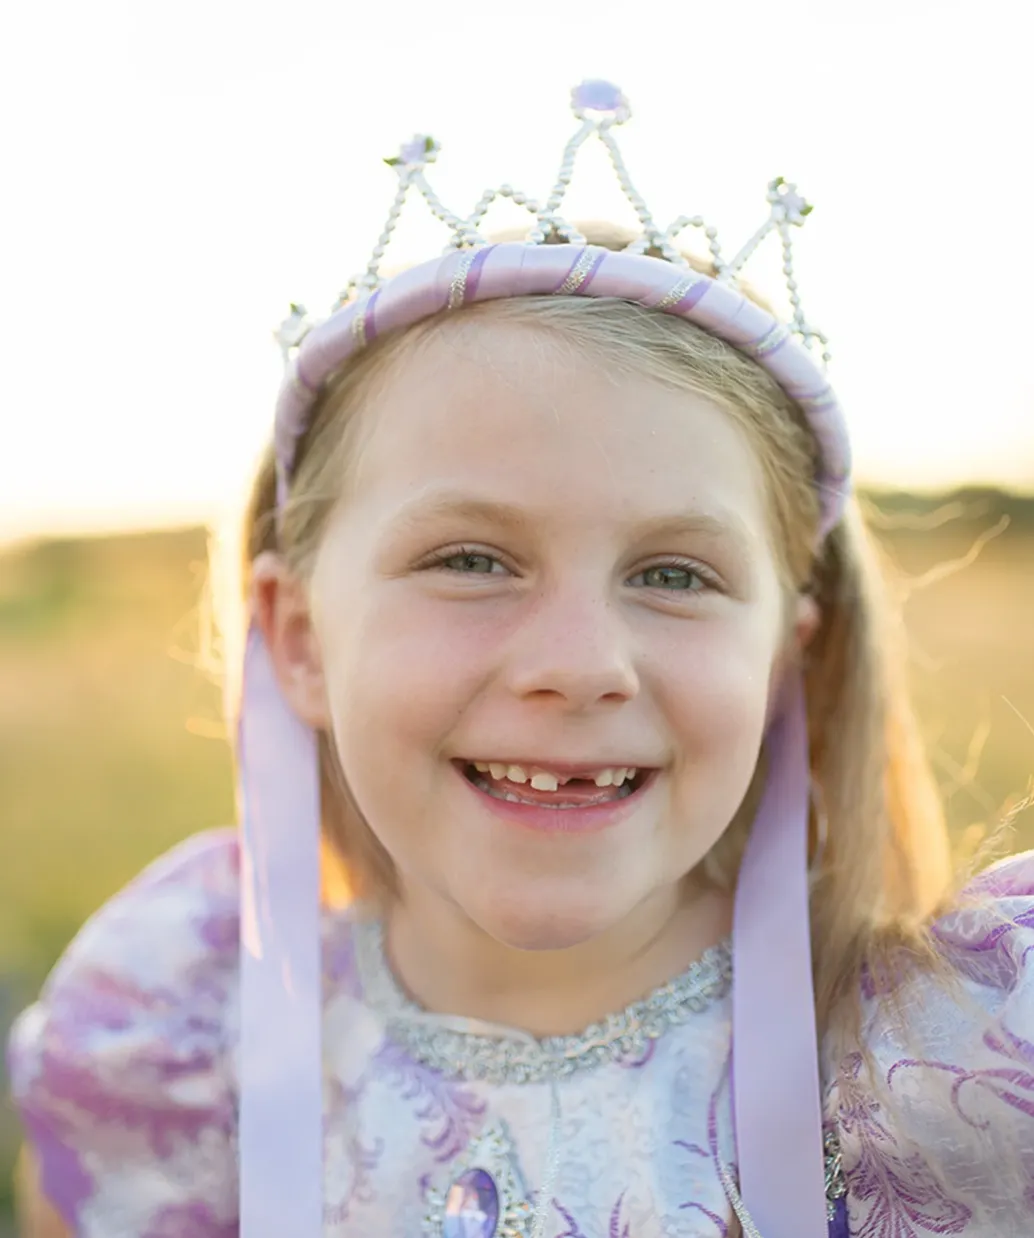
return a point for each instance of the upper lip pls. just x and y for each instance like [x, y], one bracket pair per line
[579, 769]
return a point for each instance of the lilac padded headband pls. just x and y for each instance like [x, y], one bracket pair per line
[776, 1100]
[516, 269]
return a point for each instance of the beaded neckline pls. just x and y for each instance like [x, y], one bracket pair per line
[502, 1055]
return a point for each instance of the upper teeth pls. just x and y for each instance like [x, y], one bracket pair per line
[543, 780]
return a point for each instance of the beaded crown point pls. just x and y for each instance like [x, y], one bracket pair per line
[601, 107]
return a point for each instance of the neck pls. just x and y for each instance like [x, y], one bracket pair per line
[450, 966]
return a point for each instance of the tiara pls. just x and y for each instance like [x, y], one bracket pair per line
[600, 107]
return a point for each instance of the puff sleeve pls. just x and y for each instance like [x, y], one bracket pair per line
[944, 1143]
[122, 1070]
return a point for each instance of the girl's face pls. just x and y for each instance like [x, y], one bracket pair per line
[548, 565]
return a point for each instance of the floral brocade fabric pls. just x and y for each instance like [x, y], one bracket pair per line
[125, 1075]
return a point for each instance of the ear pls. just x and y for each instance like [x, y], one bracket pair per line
[280, 609]
[806, 619]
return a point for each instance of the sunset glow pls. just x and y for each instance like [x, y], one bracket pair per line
[185, 173]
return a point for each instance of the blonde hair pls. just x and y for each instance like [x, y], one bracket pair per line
[881, 860]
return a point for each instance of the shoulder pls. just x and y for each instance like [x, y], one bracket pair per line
[168, 936]
[936, 1114]
[986, 939]
[990, 934]
[121, 1069]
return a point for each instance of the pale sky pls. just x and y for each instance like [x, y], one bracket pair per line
[176, 174]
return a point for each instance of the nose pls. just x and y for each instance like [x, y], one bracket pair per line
[574, 648]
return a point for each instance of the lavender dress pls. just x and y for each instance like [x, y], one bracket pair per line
[125, 1074]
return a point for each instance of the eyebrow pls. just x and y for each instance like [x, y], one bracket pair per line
[462, 507]
[508, 517]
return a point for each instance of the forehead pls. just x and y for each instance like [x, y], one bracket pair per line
[504, 409]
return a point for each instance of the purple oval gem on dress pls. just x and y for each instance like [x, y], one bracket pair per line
[598, 96]
[471, 1206]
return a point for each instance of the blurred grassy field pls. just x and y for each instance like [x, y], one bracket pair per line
[108, 730]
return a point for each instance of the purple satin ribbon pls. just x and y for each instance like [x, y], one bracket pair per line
[775, 1082]
[280, 1068]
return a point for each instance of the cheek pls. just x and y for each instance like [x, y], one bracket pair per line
[399, 677]
[715, 687]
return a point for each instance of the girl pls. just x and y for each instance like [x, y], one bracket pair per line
[566, 633]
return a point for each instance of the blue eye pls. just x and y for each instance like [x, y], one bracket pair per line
[467, 562]
[673, 577]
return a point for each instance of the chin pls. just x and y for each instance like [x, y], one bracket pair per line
[535, 921]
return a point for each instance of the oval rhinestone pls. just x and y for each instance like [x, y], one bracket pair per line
[471, 1206]
[598, 96]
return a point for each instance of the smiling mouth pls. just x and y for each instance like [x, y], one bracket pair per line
[514, 786]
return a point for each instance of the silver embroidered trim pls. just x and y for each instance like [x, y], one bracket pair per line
[578, 273]
[458, 286]
[836, 1182]
[732, 1193]
[675, 295]
[835, 1185]
[769, 342]
[359, 323]
[545, 1191]
[513, 1057]
[816, 403]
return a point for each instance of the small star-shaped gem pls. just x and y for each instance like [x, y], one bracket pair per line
[418, 152]
[788, 204]
[293, 329]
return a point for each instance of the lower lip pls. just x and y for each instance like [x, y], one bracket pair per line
[562, 820]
